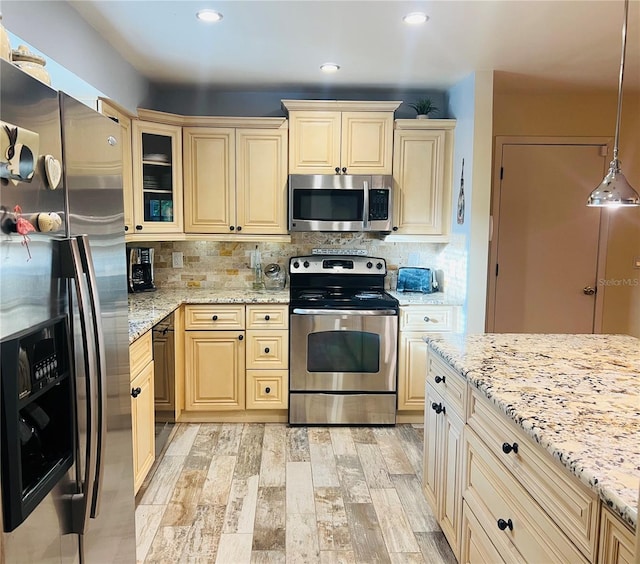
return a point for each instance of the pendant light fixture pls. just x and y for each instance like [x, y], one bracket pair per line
[615, 190]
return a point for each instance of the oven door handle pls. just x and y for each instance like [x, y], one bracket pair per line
[305, 311]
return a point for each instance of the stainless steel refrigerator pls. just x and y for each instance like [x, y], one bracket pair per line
[63, 331]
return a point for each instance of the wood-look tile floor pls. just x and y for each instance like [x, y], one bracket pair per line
[268, 493]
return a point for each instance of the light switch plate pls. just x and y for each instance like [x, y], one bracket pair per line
[177, 260]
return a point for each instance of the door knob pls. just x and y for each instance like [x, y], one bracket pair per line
[589, 290]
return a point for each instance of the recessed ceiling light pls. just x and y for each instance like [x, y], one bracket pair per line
[208, 15]
[415, 18]
[329, 67]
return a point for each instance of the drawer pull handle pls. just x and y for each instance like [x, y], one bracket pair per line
[266, 318]
[502, 524]
[215, 318]
[439, 379]
[427, 319]
[135, 392]
[438, 407]
[507, 448]
[266, 350]
[267, 390]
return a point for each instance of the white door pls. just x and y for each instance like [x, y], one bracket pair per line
[545, 243]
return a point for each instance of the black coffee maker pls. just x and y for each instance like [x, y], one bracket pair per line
[140, 269]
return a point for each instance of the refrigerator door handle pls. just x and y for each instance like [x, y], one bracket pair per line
[101, 390]
[80, 502]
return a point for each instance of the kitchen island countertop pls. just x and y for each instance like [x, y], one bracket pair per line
[577, 396]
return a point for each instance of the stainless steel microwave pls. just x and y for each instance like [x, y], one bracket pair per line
[340, 202]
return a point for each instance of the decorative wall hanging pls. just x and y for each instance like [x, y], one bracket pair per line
[460, 213]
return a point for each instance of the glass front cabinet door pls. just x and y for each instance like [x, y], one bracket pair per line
[157, 178]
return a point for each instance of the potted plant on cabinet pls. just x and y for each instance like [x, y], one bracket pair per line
[424, 107]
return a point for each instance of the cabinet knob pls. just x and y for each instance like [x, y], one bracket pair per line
[240, 337]
[502, 524]
[395, 228]
[126, 228]
[337, 170]
[239, 228]
[135, 392]
[589, 290]
[266, 350]
[138, 227]
[507, 448]
[439, 379]
[427, 319]
[267, 317]
[344, 170]
[214, 317]
[231, 227]
[267, 390]
[438, 407]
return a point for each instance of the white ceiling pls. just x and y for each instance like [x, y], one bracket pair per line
[269, 44]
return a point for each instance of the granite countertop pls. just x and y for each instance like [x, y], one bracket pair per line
[148, 308]
[577, 396]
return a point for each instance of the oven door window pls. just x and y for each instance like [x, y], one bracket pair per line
[328, 205]
[343, 351]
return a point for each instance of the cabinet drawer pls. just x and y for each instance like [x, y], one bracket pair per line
[616, 540]
[267, 349]
[447, 382]
[476, 546]
[427, 319]
[213, 317]
[267, 389]
[264, 316]
[571, 505]
[496, 498]
[140, 354]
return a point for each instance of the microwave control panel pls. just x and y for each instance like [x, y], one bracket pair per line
[379, 204]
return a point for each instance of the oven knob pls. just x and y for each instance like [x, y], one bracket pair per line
[379, 266]
[305, 264]
[296, 264]
[369, 265]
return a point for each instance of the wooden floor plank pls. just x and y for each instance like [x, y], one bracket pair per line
[396, 530]
[302, 539]
[406, 558]
[373, 465]
[319, 435]
[270, 522]
[202, 541]
[323, 465]
[297, 444]
[363, 435]
[366, 535]
[241, 508]
[183, 440]
[181, 508]
[342, 441]
[148, 519]
[420, 515]
[217, 485]
[395, 458]
[412, 444]
[168, 544]
[249, 452]
[160, 489]
[299, 488]
[229, 439]
[274, 456]
[435, 549]
[234, 548]
[268, 557]
[337, 557]
[331, 519]
[352, 479]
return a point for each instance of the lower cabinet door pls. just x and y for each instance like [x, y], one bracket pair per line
[143, 424]
[412, 368]
[214, 370]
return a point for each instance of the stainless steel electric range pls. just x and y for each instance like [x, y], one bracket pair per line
[343, 342]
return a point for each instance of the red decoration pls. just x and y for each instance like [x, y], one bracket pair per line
[23, 227]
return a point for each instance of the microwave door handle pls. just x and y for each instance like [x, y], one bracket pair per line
[80, 502]
[101, 390]
[365, 206]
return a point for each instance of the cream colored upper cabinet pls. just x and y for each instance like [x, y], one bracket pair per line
[157, 177]
[235, 180]
[422, 172]
[123, 118]
[210, 179]
[353, 137]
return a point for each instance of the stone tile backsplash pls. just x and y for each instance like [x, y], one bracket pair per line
[228, 264]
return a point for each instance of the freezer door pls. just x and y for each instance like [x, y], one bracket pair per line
[30, 289]
[93, 176]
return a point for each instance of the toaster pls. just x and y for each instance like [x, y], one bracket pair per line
[416, 279]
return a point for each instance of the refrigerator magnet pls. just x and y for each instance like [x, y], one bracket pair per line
[18, 153]
[52, 171]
